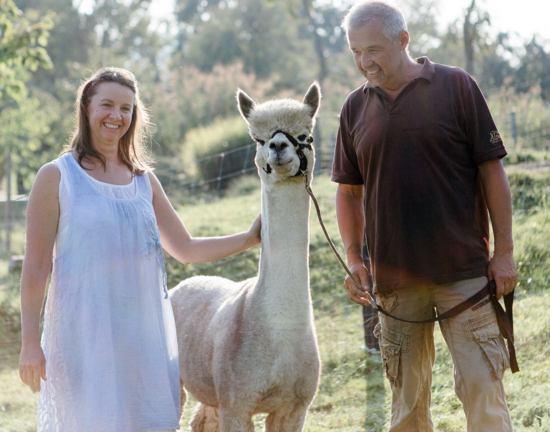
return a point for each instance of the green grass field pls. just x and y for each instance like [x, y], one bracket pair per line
[353, 394]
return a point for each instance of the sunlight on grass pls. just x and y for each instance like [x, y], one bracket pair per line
[353, 394]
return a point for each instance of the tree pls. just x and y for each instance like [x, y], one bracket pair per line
[22, 42]
[474, 20]
[534, 68]
[22, 49]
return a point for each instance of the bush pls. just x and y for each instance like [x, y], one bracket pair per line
[221, 149]
[526, 156]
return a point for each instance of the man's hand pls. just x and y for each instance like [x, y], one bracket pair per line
[502, 269]
[360, 272]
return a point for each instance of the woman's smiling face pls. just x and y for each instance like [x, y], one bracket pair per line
[110, 113]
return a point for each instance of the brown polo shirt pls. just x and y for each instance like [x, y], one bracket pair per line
[417, 156]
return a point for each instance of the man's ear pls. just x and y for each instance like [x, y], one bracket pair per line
[404, 39]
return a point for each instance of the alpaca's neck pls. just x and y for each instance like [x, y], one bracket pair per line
[282, 294]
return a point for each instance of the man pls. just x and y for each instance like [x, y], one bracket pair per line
[419, 140]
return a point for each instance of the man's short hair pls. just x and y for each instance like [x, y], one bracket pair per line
[365, 11]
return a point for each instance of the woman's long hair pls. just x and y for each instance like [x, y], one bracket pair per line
[132, 146]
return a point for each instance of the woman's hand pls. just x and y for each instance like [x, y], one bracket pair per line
[255, 232]
[32, 365]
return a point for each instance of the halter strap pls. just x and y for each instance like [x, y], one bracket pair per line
[299, 149]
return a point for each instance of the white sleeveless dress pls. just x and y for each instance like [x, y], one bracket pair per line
[109, 334]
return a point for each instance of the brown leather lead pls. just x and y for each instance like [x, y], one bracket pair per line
[505, 319]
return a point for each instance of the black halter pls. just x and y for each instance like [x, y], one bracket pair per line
[299, 151]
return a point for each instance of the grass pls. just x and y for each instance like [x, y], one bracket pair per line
[353, 393]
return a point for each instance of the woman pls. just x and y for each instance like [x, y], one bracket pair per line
[109, 359]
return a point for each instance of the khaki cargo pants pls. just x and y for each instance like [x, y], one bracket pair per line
[477, 349]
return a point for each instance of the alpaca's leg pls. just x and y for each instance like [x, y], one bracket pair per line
[183, 397]
[291, 419]
[205, 419]
[232, 422]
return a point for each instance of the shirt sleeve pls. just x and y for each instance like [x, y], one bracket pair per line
[485, 140]
[345, 168]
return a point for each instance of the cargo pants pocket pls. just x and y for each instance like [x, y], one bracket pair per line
[392, 345]
[484, 330]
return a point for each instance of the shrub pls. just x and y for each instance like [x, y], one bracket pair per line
[221, 149]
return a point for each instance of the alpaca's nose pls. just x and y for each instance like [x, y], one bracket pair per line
[278, 146]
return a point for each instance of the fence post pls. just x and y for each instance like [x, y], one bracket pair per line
[513, 125]
[246, 159]
[7, 209]
[220, 174]
[195, 178]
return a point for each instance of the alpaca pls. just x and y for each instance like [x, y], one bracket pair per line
[250, 347]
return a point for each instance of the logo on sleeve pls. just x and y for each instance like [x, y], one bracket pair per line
[495, 137]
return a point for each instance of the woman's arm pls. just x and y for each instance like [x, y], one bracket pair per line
[42, 221]
[178, 242]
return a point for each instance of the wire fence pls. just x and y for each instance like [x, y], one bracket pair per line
[329, 299]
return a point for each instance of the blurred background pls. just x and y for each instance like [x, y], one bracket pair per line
[190, 56]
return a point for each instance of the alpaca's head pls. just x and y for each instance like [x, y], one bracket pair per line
[283, 130]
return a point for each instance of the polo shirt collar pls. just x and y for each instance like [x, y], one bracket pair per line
[427, 72]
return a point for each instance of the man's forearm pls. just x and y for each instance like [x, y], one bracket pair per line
[499, 202]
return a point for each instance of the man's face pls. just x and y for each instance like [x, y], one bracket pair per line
[376, 57]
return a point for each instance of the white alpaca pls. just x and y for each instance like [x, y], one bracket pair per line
[250, 347]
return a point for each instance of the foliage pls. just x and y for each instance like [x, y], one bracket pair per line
[202, 148]
[22, 42]
[533, 69]
[192, 98]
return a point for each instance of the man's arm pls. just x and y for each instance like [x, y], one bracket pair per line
[502, 267]
[351, 220]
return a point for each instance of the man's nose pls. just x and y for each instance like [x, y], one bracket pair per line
[365, 61]
[278, 145]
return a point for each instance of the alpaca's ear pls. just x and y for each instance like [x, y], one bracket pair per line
[313, 98]
[245, 103]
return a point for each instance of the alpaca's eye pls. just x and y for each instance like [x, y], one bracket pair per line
[260, 141]
[302, 137]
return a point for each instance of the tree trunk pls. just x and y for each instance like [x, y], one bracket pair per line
[20, 185]
[7, 209]
[323, 72]
[469, 35]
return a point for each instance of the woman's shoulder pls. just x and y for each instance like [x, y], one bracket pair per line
[154, 181]
[48, 175]
[50, 171]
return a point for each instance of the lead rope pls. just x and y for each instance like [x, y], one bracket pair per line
[310, 192]
[504, 318]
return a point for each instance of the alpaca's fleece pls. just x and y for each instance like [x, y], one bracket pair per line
[284, 114]
[249, 347]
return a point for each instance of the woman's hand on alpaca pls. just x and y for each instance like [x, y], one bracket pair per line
[255, 232]
[32, 365]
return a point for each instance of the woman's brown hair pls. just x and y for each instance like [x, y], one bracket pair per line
[132, 146]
